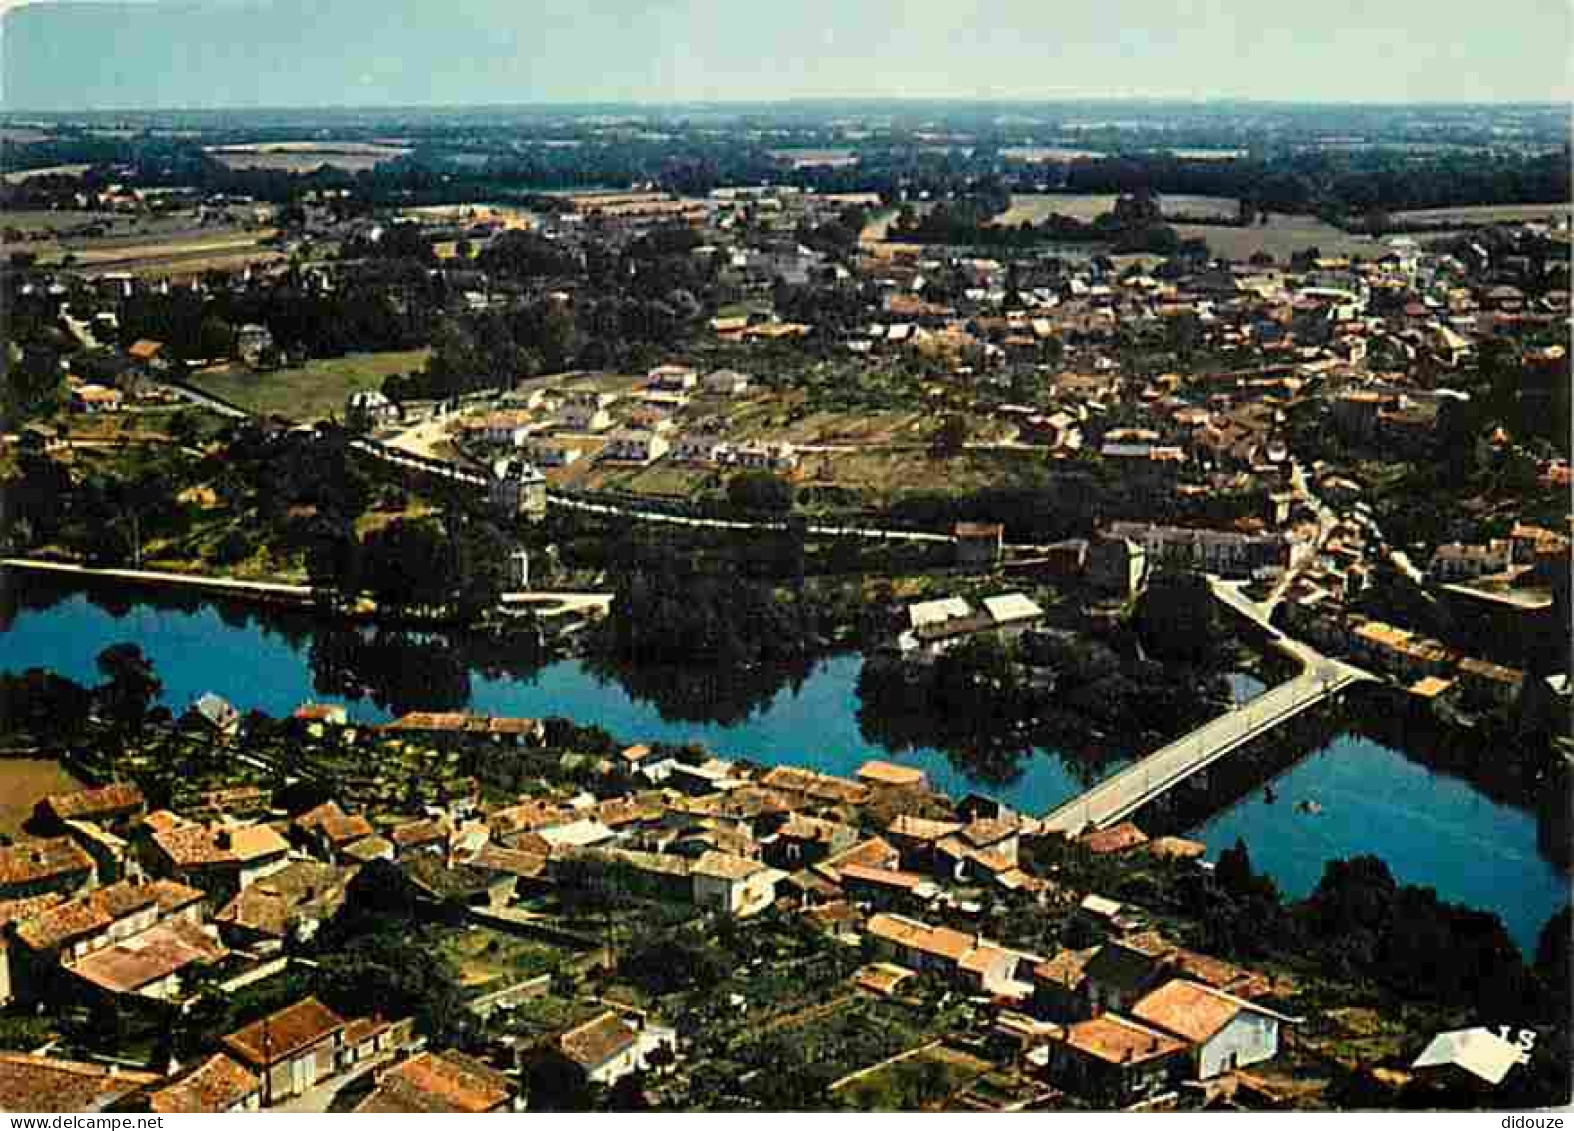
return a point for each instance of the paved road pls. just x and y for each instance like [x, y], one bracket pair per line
[1118, 797]
[567, 601]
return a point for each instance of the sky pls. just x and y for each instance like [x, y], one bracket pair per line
[168, 54]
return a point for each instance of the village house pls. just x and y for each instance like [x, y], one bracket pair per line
[291, 1051]
[877, 773]
[253, 344]
[726, 382]
[439, 1083]
[610, 1046]
[368, 410]
[1469, 1060]
[220, 859]
[803, 841]
[580, 416]
[1115, 1062]
[699, 447]
[288, 905]
[158, 964]
[14, 911]
[499, 429]
[112, 806]
[1461, 561]
[1224, 1032]
[36, 867]
[673, 378]
[516, 489]
[732, 884]
[219, 1085]
[328, 830]
[635, 445]
[40, 1083]
[552, 451]
[94, 399]
[887, 889]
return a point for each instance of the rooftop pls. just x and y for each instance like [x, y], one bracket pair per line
[283, 1034]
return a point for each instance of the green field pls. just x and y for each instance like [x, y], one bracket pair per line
[311, 392]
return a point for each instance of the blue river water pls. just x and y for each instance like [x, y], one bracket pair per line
[1431, 828]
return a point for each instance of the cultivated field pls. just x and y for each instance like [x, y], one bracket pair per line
[1281, 237]
[23, 783]
[1488, 214]
[1037, 207]
[311, 392]
[306, 156]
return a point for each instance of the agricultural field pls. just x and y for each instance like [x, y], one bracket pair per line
[26, 781]
[1037, 207]
[307, 156]
[1487, 214]
[883, 476]
[311, 392]
[1281, 237]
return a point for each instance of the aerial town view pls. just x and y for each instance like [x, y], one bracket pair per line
[842, 558]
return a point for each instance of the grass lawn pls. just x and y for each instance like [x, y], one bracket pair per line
[312, 392]
[490, 960]
[926, 1077]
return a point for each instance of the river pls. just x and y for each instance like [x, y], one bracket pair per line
[1432, 828]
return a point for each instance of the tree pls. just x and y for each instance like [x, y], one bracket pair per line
[131, 686]
[215, 338]
[950, 438]
[761, 491]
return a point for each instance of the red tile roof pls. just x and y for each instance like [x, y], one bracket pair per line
[285, 1033]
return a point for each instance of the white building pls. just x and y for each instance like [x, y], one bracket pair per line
[636, 445]
[580, 416]
[735, 885]
[699, 447]
[1226, 1032]
[517, 488]
[549, 451]
[609, 1047]
[676, 378]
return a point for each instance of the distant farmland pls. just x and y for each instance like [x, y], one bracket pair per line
[1487, 214]
[1037, 207]
[312, 392]
[306, 156]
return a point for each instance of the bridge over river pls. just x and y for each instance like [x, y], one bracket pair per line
[1118, 797]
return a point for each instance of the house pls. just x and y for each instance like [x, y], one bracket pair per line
[1472, 1059]
[329, 830]
[292, 1050]
[1485, 682]
[329, 714]
[803, 841]
[1458, 560]
[150, 355]
[517, 489]
[18, 911]
[36, 1083]
[369, 410]
[499, 429]
[287, 906]
[37, 867]
[439, 1083]
[153, 964]
[610, 1046]
[978, 544]
[885, 888]
[110, 805]
[673, 378]
[219, 859]
[93, 399]
[579, 416]
[1115, 1062]
[219, 1085]
[636, 445]
[1117, 838]
[1012, 614]
[732, 884]
[217, 714]
[1224, 1032]
[552, 451]
[917, 945]
[1060, 985]
[699, 447]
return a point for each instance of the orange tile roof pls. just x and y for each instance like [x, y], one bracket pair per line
[1117, 838]
[941, 942]
[1116, 1040]
[93, 912]
[43, 1083]
[216, 1085]
[285, 1033]
[431, 1083]
[881, 877]
[89, 804]
[1188, 1009]
[34, 861]
[131, 964]
[597, 1040]
[1065, 968]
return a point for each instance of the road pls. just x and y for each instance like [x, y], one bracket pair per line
[819, 530]
[562, 601]
[1118, 797]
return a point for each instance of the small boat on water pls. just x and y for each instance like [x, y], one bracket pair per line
[1308, 806]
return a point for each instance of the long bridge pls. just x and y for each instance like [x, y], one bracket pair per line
[1118, 797]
